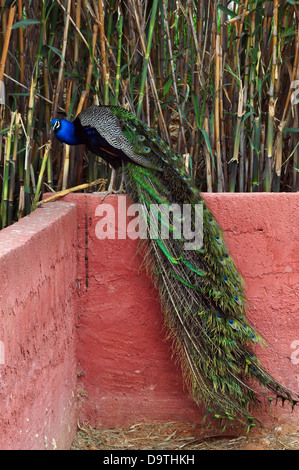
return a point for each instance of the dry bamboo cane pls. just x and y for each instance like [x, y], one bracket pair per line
[123, 83]
[293, 75]
[47, 105]
[220, 185]
[78, 22]
[243, 151]
[13, 170]
[285, 118]
[147, 50]
[29, 136]
[198, 23]
[41, 173]
[21, 43]
[174, 84]
[74, 24]
[296, 125]
[2, 64]
[278, 160]
[62, 61]
[235, 158]
[208, 159]
[80, 187]
[6, 41]
[66, 163]
[241, 17]
[199, 57]
[4, 201]
[272, 103]
[150, 70]
[80, 162]
[105, 70]
[118, 75]
[91, 61]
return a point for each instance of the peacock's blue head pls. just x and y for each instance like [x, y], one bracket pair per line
[64, 130]
[55, 124]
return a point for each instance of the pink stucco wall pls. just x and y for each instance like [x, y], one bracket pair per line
[126, 371]
[82, 326]
[126, 374]
[37, 330]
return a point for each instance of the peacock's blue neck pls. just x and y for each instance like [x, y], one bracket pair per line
[67, 133]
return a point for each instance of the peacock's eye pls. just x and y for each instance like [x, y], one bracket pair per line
[56, 125]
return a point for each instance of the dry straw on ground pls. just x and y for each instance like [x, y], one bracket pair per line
[183, 437]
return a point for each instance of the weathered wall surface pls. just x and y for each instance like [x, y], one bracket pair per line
[80, 318]
[126, 370]
[124, 363]
[261, 231]
[37, 330]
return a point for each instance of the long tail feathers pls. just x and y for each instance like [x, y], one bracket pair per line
[202, 297]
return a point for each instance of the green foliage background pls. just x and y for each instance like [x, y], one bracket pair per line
[217, 79]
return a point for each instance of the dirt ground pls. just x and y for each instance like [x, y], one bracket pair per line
[178, 436]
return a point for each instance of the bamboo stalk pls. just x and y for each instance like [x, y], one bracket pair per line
[91, 62]
[278, 158]
[77, 36]
[7, 36]
[4, 200]
[6, 40]
[174, 83]
[235, 158]
[41, 173]
[200, 55]
[119, 52]
[62, 61]
[293, 75]
[208, 159]
[220, 185]
[21, 43]
[102, 182]
[256, 154]
[67, 148]
[189, 86]
[47, 105]
[272, 103]
[152, 83]
[105, 70]
[13, 170]
[74, 23]
[146, 57]
[29, 135]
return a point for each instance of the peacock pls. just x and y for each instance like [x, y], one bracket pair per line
[202, 294]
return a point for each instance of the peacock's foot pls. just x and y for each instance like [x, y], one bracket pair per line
[113, 191]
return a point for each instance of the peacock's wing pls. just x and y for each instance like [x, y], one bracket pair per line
[103, 127]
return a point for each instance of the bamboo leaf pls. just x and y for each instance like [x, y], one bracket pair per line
[167, 86]
[24, 23]
[207, 140]
[227, 11]
[291, 130]
[45, 49]
[247, 115]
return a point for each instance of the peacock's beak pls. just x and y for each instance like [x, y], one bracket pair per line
[52, 124]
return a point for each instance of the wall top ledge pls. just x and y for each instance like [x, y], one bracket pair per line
[204, 194]
[21, 232]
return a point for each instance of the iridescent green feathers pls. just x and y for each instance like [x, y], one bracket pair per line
[201, 291]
